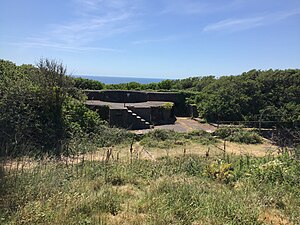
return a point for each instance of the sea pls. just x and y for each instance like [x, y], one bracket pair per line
[119, 80]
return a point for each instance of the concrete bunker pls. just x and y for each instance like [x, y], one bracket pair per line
[137, 109]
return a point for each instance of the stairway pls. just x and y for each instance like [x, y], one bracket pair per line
[137, 121]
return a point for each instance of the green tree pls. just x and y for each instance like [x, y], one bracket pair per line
[87, 84]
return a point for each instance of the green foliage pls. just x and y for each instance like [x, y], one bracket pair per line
[280, 170]
[161, 135]
[245, 96]
[238, 135]
[42, 112]
[87, 84]
[225, 132]
[150, 86]
[168, 105]
[125, 86]
[165, 84]
[245, 137]
[220, 171]
[32, 100]
[78, 118]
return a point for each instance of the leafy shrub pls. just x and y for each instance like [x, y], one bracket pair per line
[221, 171]
[201, 137]
[225, 132]
[168, 138]
[78, 118]
[31, 112]
[245, 137]
[238, 135]
[161, 135]
[168, 105]
[160, 138]
[279, 170]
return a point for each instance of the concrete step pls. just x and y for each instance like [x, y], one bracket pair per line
[138, 117]
[134, 114]
[130, 111]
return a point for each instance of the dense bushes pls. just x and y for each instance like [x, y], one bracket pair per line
[32, 100]
[42, 112]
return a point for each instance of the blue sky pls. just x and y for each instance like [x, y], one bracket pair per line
[153, 38]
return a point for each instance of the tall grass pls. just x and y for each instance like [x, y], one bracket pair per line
[171, 190]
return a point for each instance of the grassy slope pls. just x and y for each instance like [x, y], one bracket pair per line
[188, 189]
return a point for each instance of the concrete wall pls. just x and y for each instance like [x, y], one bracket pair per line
[118, 96]
[119, 118]
[102, 110]
[180, 107]
[160, 116]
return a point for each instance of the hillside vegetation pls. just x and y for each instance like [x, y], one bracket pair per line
[61, 164]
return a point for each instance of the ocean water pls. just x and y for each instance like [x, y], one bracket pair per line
[119, 80]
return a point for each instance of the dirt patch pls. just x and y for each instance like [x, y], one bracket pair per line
[273, 217]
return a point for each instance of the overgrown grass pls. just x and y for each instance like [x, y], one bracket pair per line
[171, 190]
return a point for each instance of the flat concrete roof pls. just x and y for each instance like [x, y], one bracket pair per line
[120, 105]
